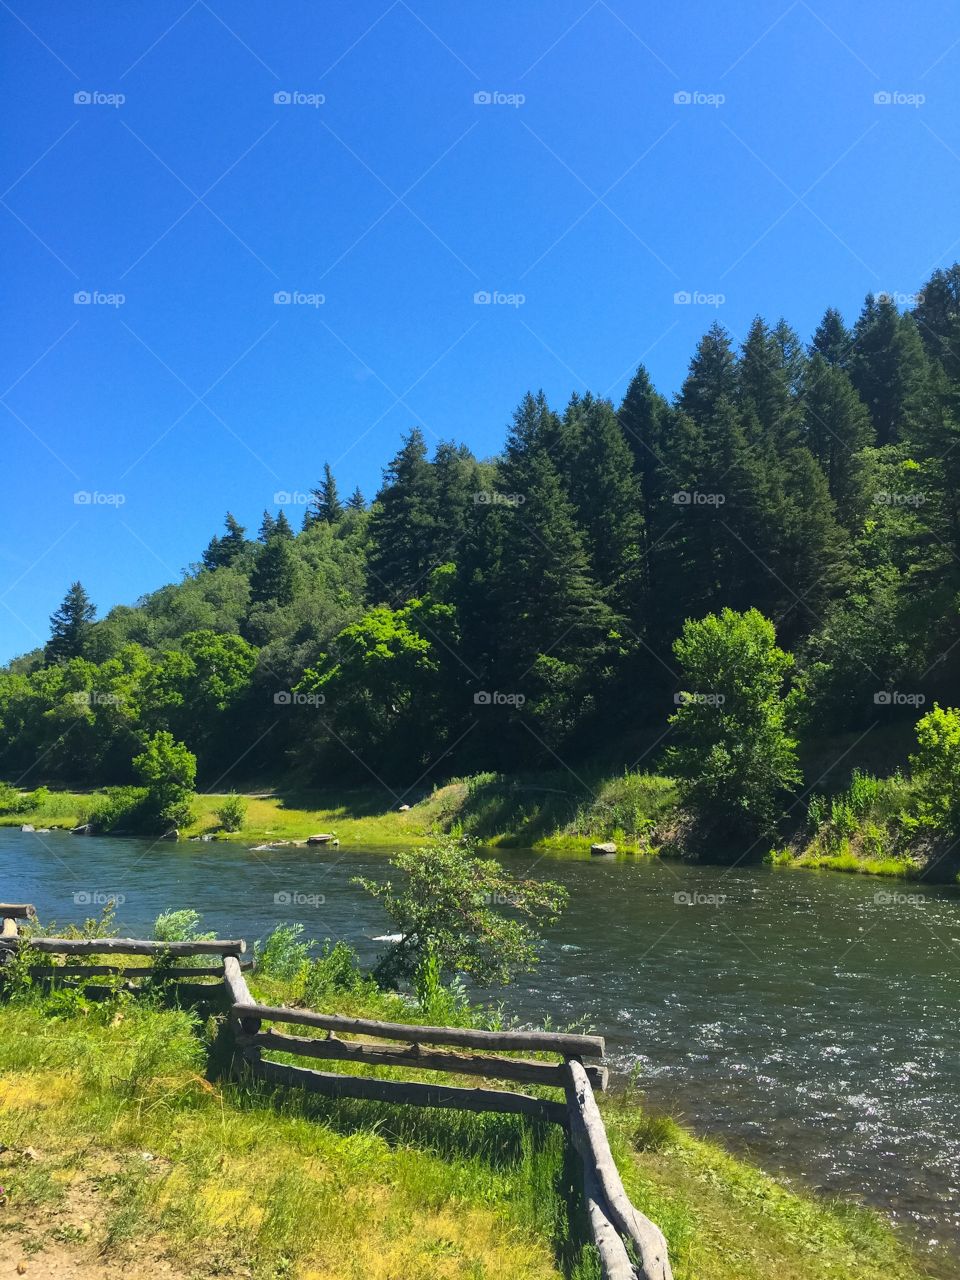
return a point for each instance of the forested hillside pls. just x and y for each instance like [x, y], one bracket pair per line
[497, 614]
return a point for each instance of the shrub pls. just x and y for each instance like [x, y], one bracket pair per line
[936, 769]
[282, 954]
[119, 808]
[179, 926]
[9, 798]
[336, 969]
[168, 770]
[232, 814]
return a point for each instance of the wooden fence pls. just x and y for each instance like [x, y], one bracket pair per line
[631, 1247]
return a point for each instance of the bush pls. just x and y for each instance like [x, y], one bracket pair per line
[282, 954]
[35, 800]
[168, 770]
[336, 969]
[119, 809]
[179, 926]
[9, 798]
[936, 769]
[232, 814]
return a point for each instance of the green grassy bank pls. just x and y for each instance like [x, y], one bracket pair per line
[125, 1152]
[866, 828]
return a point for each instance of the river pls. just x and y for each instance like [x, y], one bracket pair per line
[807, 1018]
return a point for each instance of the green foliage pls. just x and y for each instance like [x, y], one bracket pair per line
[10, 801]
[452, 907]
[232, 814]
[936, 769]
[120, 809]
[335, 971]
[734, 759]
[168, 770]
[182, 925]
[282, 954]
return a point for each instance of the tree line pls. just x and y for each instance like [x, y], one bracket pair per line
[503, 613]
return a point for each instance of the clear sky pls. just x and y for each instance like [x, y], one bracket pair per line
[575, 188]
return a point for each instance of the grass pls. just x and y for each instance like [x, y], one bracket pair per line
[124, 1145]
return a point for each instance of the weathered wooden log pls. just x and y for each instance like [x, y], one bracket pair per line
[333, 1085]
[238, 993]
[615, 1262]
[128, 971]
[331, 1049]
[464, 1037]
[589, 1138]
[9, 927]
[18, 910]
[137, 947]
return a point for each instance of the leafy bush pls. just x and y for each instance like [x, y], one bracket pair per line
[179, 926]
[451, 907]
[168, 770]
[232, 814]
[119, 808]
[936, 769]
[282, 954]
[9, 798]
[336, 969]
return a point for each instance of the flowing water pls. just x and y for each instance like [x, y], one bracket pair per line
[810, 1019]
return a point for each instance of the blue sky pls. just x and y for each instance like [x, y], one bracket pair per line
[577, 182]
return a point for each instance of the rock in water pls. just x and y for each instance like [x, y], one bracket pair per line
[603, 850]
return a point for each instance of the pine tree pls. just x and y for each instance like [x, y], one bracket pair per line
[403, 527]
[326, 507]
[606, 495]
[275, 576]
[836, 427]
[224, 551]
[70, 626]
[769, 365]
[937, 315]
[268, 527]
[548, 600]
[832, 339]
[711, 377]
[282, 527]
[356, 501]
[888, 369]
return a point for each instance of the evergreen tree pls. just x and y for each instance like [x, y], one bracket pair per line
[836, 428]
[937, 315]
[712, 375]
[832, 339]
[606, 495]
[326, 507]
[282, 527]
[276, 573]
[268, 527]
[404, 523]
[887, 368]
[225, 551]
[766, 372]
[70, 626]
[356, 501]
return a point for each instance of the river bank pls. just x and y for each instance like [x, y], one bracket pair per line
[864, 830]
[127, 1155]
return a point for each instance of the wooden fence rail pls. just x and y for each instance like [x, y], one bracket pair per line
[631, 1247]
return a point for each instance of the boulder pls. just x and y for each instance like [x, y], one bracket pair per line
[603, 850]
[404, 808]
[324, 837]
[84, 829]
[27, 826]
